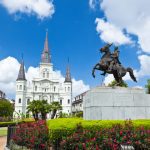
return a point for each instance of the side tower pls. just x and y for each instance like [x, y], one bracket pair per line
[21, 86]
[67, 104]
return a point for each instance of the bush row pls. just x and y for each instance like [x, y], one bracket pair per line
[33, 135]
[107, 139]
[64, 127]
[13, 123]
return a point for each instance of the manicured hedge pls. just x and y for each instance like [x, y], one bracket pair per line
[6, 124]
[70, 123]
[66, 126]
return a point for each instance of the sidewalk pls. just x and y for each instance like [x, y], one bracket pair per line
[3, 140]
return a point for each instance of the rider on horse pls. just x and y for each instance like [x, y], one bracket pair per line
[115, 60]
[110, 64]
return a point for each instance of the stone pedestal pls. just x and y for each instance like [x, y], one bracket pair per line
[117, 103]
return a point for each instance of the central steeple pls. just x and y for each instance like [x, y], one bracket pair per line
[45, 58]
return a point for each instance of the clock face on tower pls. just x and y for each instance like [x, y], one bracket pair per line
[45, 70]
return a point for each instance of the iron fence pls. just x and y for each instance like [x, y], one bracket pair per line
[55, 145]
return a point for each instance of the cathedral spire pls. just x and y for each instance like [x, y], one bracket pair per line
[21, 75]
[46, 54]
[68, 74]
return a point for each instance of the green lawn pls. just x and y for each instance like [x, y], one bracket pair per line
[3, 131]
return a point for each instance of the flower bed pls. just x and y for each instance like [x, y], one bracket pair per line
[96, 133]
[110, 138]
[32, 135]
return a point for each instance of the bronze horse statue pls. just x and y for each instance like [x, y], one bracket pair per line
[117, 70]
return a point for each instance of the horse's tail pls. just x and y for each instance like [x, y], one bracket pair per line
[130, 70]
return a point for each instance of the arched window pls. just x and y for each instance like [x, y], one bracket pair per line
[43, 74]
[20, 87]
[61, 102]
[68, 101]
[28, 101]
[19, 100]
[47, 74]
[35, 88]
[54, 88]
[68, 88]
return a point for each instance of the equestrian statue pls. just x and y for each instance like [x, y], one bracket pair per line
[111, 64]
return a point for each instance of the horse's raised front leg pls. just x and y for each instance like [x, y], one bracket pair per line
[96, 67]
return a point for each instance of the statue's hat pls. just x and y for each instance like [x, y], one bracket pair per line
[116, 49]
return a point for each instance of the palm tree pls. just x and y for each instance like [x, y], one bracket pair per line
[55, 106]
[44, 108]
[34, 108]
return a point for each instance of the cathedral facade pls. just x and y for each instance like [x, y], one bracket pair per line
[46, 86]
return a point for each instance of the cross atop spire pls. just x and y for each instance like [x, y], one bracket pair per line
[21, 75]
[46, 54]
[68, 74]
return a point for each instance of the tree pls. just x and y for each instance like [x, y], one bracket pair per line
[34, 107]
[148, 86]
[44, 108]
[114, 82]
[39, 106]
[55, 106]
[6, 108]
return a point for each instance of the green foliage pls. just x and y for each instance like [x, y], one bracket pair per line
[79, 114]
[110, 138]
[66, 126]
[55, 106]
[148, 86]
[114, 83]
[6, 108]
[13, 123]
[63, 115]
[42, 106]
[39, 106]
[33, 135]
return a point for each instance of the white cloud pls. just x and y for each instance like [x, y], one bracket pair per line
[144, 66]
[111, 33]
[131, 15]
[108, 79]
[41, 8]
[9, 72]
[79, 87]
[32, 72]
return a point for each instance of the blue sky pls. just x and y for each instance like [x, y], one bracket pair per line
[72, 33]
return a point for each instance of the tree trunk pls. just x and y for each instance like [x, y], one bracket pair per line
[43, 116]
[36, 116]
[53, 114]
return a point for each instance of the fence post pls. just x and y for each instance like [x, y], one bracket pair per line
[8, 136]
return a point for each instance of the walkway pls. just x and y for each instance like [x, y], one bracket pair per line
[3, 140]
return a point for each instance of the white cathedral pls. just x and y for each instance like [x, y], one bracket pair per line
[47, 86]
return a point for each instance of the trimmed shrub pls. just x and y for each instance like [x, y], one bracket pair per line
[109, 139]
[64, 127]
[33, 135]
[6, 124]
